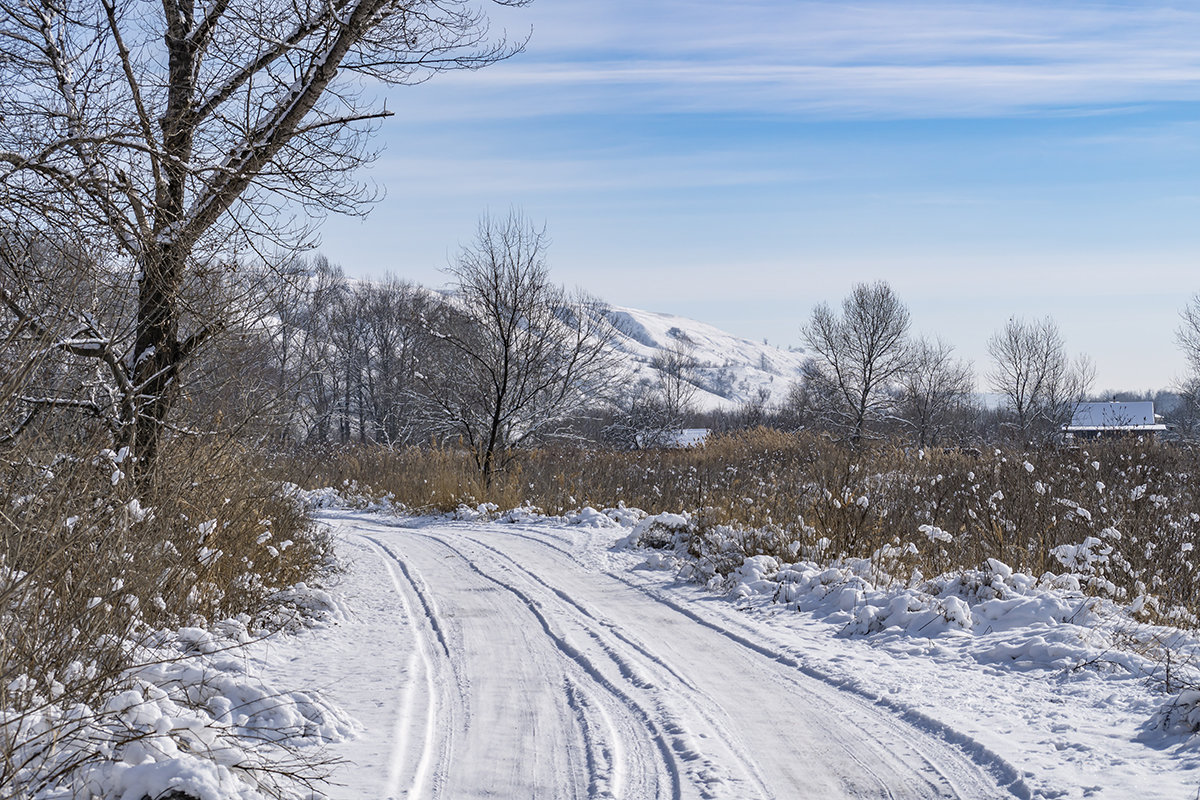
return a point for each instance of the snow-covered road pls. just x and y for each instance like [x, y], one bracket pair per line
[510, 661]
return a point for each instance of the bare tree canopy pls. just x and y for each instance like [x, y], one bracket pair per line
[651, 412]
[525, 355]
[177, 137]
[863, 351]
[1039, 382]
[934, 387]
[1187, 335]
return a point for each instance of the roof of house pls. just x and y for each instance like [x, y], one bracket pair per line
[1115, 416]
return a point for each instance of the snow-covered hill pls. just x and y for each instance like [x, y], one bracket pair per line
[728, 371]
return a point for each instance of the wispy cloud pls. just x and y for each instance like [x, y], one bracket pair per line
[598, 172]
[883, 59]
[751, 158]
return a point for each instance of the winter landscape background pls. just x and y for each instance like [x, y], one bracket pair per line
[300, 501]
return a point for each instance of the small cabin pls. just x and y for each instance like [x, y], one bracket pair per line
[1095, 420]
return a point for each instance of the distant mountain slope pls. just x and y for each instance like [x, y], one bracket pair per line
[729, 370]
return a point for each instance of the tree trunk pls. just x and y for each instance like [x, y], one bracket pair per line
[156, 354]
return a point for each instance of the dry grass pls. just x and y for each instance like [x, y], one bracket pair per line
[91, 565]
[1125, 509]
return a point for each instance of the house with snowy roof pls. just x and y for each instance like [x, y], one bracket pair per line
[1094, 420]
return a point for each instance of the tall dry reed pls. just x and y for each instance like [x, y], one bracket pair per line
[1121, 513]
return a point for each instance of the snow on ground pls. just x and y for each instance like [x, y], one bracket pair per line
[531, 657]
[195, 718]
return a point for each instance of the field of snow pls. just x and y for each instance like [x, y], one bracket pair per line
[729, 371]
[534, 657]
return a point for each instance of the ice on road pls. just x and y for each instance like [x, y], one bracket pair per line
[506, 661]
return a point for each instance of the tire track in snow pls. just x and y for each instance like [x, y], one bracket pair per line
[601, 760]
[571, 601]
[562, 614]
[419, 658]
[604, 742]
[971, 750]
[598, 628]
[596, 675]
[900, 721]
[746, 758]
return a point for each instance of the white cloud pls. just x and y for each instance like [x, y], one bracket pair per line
[842, 60]
[597, 172]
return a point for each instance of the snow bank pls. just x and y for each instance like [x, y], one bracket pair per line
[996, 616]
[193, 719]
[348, 495]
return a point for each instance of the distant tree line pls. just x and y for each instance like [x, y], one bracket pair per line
[867, 378]
[505, 359]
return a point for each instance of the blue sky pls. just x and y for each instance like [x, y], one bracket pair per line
[740, 162]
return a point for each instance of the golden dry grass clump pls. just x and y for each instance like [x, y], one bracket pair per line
[91, 563]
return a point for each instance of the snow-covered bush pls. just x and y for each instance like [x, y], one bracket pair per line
[94, 565]
[1180, 714]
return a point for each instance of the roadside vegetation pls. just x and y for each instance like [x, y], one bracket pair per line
[98, 571]
[1120, 513]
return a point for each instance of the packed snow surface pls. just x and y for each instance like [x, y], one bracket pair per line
[531, 657]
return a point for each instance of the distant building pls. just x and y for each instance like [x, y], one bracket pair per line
[677, 439]
[1093, 420]
[688, 437]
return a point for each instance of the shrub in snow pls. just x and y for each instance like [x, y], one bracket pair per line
[589, 517]
[1180, 715]
[625, 517]
[482, 511]
[89, 569]
[1085, 558]
[522, 514]
[189, 720]
[659, 531]
[314, 499]
[756, 575]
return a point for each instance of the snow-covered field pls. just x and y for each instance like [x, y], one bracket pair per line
[532, 657]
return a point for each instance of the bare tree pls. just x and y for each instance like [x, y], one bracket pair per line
[396, 311]
[348, 334]
[298, 344]
[661, 411]
[178, 138]
[1187, 335]
[640, 418]
[521, 356]
[1039, 382]
[651, 411]
[935, 388]
[317, 373]
[1183, 415]
[813, 402]
[862, 352]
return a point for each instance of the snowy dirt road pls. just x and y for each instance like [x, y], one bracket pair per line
[506, 661]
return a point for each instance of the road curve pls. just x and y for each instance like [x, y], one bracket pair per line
[529, 671]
